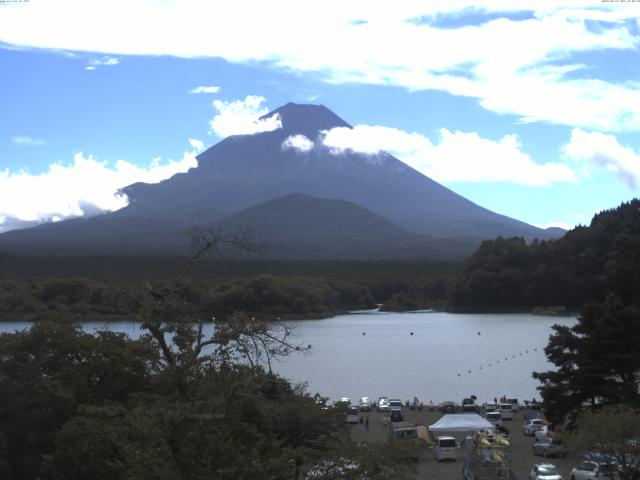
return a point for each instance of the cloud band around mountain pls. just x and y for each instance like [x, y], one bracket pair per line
[85, 186]
[453, 157]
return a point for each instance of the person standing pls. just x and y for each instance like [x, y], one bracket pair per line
[366, 423]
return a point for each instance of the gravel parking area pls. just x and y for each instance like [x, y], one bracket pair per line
[522, 458]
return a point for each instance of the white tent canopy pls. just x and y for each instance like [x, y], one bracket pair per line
[459, 423]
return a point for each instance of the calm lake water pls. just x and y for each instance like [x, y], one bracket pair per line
[448, 357]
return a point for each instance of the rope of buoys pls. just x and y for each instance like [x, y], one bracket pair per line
[498, 361]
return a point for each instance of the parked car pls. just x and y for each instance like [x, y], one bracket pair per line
[396, 414]
[543, 432]
[448, 407]
[550, 447]
[588, 470]
[490, 407]
[531, 426]
[514, 403]
[445, 448]
[352, 415]
[545, 471]
[383, 404]
[506, 409]
[529, 414]
[365, 404]
[600, 457]
[395, 403]
[494, 417]
[469, 405]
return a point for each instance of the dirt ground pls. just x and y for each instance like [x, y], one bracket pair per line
[522, 458]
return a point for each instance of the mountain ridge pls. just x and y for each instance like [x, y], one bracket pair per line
[242, 171]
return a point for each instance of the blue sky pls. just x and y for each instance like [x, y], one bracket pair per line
[531, 109]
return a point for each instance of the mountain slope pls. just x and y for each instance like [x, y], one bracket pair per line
[392, 206]
[301, 226]
[243, 170]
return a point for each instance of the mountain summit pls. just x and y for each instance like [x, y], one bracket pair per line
[242, 171]
[305, 119]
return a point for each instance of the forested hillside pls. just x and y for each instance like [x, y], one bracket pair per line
[581, 267]
[265, 295]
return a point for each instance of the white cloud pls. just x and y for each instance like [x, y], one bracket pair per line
[28, 141]
[196, 144]
[517, 67]
[454, 157]
[297, 142]
[242, 117]
[204, 89]
[373, 139]
[99, 62]
[65, 191]
[603, 150]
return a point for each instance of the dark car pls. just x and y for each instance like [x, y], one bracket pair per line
[448, 407]
[396, 415]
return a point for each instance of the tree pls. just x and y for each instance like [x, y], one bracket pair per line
[613, 436]
[598, 361]
[177, 404]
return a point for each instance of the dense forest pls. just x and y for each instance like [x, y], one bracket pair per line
[581, 267]
[103, 287]
[503, 274]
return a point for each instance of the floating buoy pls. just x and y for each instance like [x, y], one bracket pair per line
[478, 333]
[469, 371]
[458, 374]
[411, 333]
[364, 333]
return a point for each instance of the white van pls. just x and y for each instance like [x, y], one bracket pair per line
[514, 403]
[445, 448]
[494, 417]
[506, 410]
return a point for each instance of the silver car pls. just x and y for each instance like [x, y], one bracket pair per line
[532, 426]
[592, 470]
[383, 404]
[545, 471]
[550, 447]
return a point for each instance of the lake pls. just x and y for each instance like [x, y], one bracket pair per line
[448, 357]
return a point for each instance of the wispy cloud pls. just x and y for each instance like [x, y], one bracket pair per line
[520, 65]
[204, 89]
[242, 117]
[595, 149]
[69, 190]
[196, 144]
[28, 141]
[453, 156]
[99, 62]
[299, 143]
